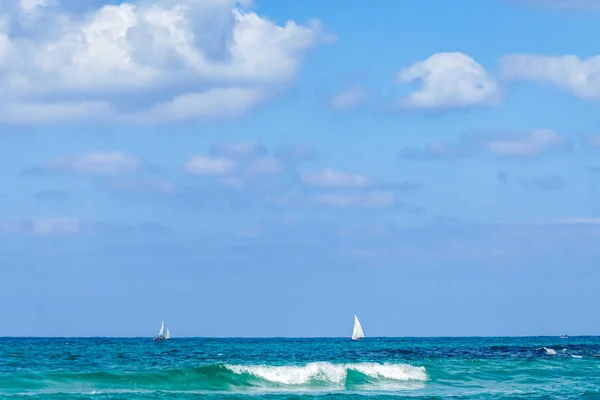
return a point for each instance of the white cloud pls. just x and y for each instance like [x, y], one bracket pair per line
[448, 80]
[349, 98]
[48, 226]
[330, 178]
[211, 104]
[577, 76]
[94, 163]
[527, 144]
[186, 59]
[202, 165]
[29, 6]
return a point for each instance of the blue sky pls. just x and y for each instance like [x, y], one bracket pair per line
[268, 169]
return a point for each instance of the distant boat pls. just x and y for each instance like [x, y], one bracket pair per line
[161, 334]
[357, 332]
[564, 336]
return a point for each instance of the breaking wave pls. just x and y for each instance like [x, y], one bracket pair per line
[219, 377]
[328, 373]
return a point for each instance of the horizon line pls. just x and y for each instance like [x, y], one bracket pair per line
[300, 337]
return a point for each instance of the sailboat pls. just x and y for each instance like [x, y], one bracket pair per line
[161, 334]
[357, 332]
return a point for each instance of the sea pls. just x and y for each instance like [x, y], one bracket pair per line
[274, 369]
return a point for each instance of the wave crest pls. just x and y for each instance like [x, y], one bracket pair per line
[326, 372]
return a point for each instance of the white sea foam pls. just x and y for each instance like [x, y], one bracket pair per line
[331, 373]
[550, 352]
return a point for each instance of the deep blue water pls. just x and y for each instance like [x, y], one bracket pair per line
[428, 368]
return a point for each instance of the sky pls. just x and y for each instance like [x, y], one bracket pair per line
[269, 168]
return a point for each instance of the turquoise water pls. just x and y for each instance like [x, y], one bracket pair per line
[460, 368]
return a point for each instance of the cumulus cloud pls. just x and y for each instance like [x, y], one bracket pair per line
[512, 144]
[247, 172]
[521, 144]
[330, 178]
[144, 61]
[94, 163]
[578, 76]
[247, 168]
[349, 98]
[203, 165]
[448, 80]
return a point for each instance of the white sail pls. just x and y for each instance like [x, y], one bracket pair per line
[168, 335]
[162, 329]
[357, 333]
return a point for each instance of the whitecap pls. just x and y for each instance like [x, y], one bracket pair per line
[330, 373]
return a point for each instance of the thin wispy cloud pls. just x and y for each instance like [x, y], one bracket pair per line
[349, 98]
[515, 145]
[93, 163]
[205, 165]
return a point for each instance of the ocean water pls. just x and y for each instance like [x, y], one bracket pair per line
[375, 368]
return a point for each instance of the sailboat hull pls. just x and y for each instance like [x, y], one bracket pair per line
[159, 338]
